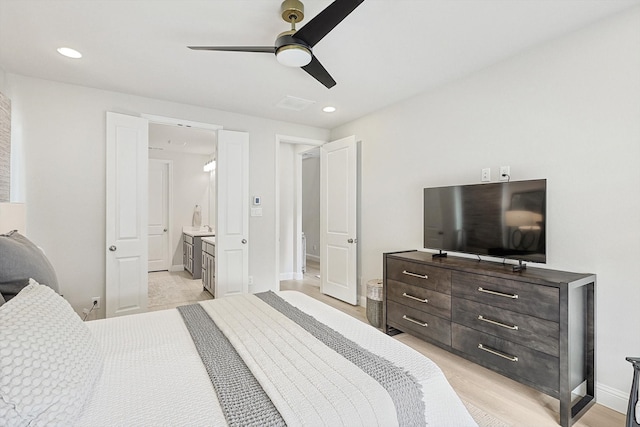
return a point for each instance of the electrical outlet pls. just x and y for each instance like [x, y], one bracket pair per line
[486, 175]
[251, 280]
[95, 302]
[505, 173]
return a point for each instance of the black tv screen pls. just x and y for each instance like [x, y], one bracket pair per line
[504, 219]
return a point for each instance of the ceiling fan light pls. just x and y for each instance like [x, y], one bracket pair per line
[293, 56]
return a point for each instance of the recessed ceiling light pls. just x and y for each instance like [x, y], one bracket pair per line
[329, 109]
[69, 53]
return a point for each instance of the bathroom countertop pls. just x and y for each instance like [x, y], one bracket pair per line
[211, 240]
[197, 231]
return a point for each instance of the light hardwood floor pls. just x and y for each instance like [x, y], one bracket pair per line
[499, 396]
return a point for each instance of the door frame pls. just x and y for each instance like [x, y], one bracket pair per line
[295, 140]
[151, 118]
[169, 253]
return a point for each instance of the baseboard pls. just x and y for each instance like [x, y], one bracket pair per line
[291, 276]
[612, 398]
[315, 258]
[175, 268]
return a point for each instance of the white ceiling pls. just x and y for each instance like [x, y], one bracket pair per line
[385, 51]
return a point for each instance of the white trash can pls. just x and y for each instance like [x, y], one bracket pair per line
[374, 302]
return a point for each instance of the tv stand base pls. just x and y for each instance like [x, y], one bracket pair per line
[439, 255]
[520, 266]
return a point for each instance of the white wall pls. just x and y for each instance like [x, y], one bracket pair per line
[190, 187]
[311, 204]
[568, 111]
[61, 130]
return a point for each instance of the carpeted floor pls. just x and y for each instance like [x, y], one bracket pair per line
[172, 289]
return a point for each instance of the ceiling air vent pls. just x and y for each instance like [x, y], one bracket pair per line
[293, 103]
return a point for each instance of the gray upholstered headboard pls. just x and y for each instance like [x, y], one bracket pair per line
[21, 260]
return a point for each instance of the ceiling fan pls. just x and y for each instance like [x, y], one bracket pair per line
[293, 48]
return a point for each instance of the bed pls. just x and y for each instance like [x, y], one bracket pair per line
[146, 369]
[269, 359]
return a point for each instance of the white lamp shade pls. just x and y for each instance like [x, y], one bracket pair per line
[13, 217]
[293, 56]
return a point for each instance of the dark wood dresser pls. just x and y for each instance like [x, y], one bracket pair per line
[534, 326]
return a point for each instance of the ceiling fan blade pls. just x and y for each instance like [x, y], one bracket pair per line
[318, 72]
[258, 49]
[326, 21]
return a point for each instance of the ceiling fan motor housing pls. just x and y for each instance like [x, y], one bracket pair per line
[292, 10]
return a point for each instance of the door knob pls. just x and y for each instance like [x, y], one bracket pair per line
[112, 248]
[165, 230]
[350, 241]
[244, 241]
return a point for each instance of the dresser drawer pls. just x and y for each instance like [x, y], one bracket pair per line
[513, 360]
[416, 274]
[420, 298]
[533, 332]
[521, 297]
[418, 323]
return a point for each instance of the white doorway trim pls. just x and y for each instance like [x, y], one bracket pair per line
[286, 139]
[150, 118]
[171, 121]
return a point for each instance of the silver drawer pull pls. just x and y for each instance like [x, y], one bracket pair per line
[405, 317]
[493, 322]
[497, 353]
[500, 294]
[421, 276]
[423, 300]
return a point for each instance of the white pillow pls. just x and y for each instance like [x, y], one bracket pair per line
[49, 360]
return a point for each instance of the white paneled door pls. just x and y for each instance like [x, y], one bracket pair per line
[232, 222]
[126, 216]
[338, 219]
[159, 179]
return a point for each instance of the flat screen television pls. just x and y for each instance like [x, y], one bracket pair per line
[503, 219]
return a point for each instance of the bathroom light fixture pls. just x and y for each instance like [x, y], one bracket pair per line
[329, 109]
[210, 166]
[69, 53]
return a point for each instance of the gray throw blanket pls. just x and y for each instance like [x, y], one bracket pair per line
[243, 400]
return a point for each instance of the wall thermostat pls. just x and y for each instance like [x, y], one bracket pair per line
[256, 200]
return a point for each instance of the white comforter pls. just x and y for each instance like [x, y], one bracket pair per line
[153, 375]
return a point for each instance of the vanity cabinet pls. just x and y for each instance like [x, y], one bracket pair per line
[208, 265]
[192, 254]
[534, 326]
[187, 252]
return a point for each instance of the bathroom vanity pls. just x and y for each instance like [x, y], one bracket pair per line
[192, 249]
[209, 264]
